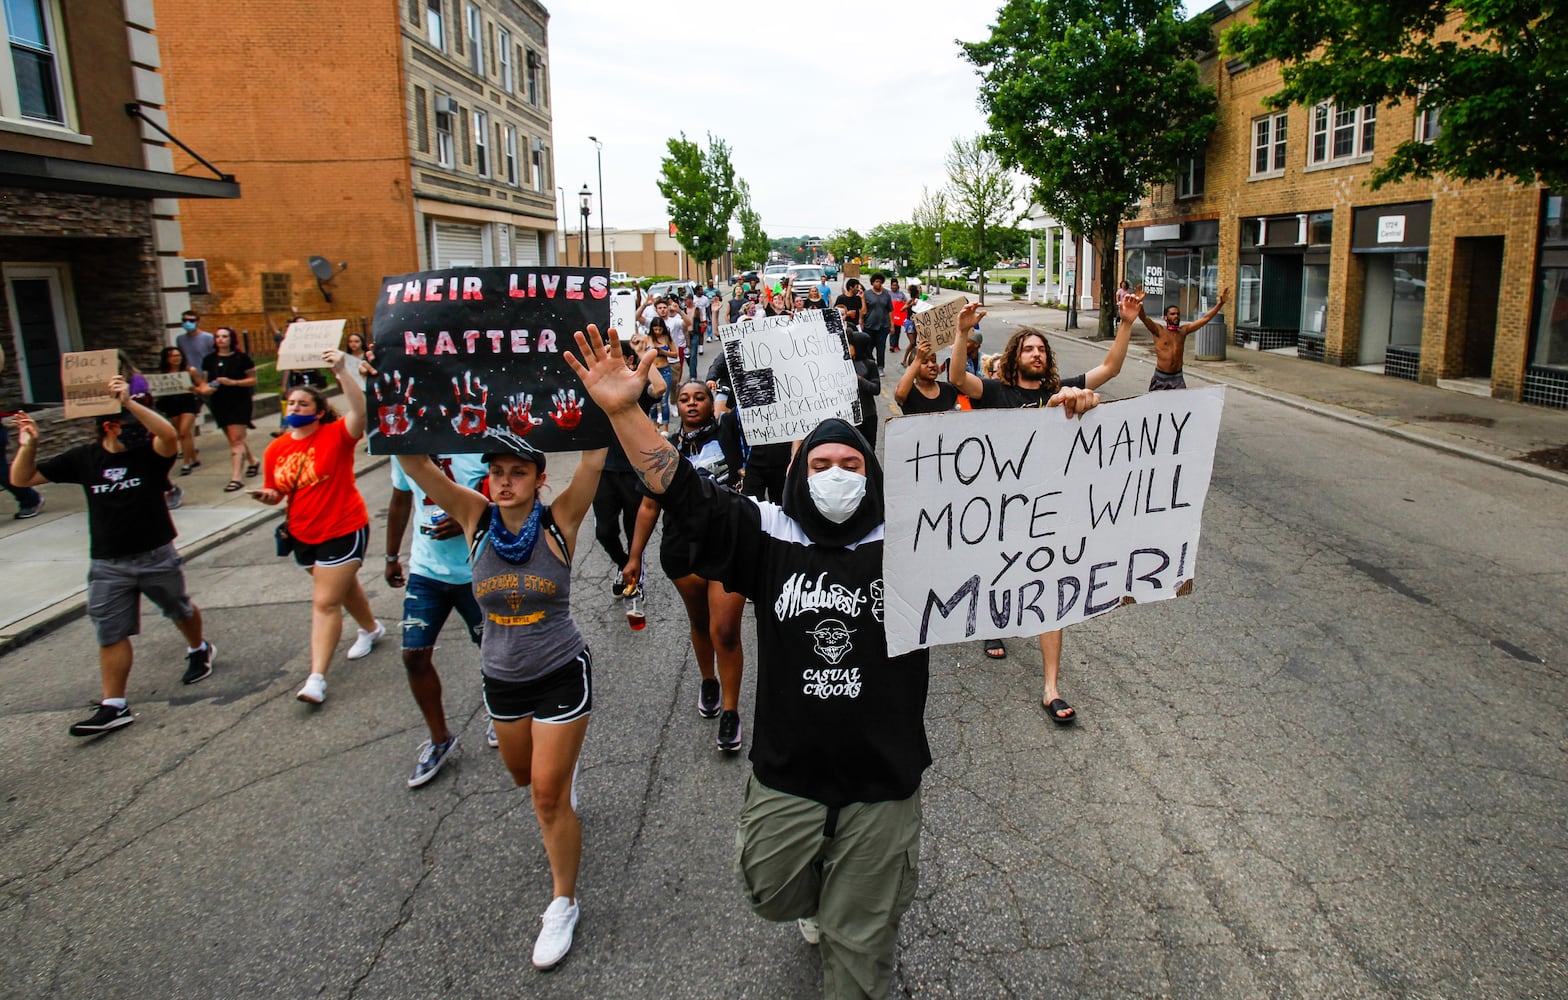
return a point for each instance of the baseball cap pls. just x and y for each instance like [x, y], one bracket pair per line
[523, 450]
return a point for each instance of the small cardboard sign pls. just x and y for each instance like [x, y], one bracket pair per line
[84, 377]
[790, 373]
[938, 325]
[303, 343]
[167, 383]
[277, 291]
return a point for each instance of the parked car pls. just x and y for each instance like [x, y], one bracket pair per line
[830, 270]
[679, 289]
[748, 276]
[803, 276]
[619, 278]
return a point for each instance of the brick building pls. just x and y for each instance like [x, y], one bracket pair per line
[89, 245]
[642, 253]
[1430, 280]
[378, 137]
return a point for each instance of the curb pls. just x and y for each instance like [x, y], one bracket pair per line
[41, 623]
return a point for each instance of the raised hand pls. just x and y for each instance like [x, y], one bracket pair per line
[518, 409]
[969, 317]
[1076, 402]
[605, 376]
[568, 412]
[473, 396]
[120, 389]
[1131, 306]
[394, 404]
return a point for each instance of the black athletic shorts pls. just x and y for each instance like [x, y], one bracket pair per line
[334, 551]
[563, 695]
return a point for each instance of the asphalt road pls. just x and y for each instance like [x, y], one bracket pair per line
[1338, 769]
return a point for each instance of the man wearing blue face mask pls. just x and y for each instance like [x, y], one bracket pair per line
[830, 828]
[132, 541]
[196, 344]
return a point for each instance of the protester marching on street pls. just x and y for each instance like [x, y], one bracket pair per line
[618, 499]
[327, 524]
[877, 320]
[131, 550]
[1170, 341]
[182, 408]
[228, 380]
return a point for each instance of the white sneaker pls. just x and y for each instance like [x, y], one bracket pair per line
[555, 937]
[491, 739]
[315, 689]
[809, 930]
[364, 642]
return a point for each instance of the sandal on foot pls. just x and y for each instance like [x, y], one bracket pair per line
[1056, 707]
[252, 469]
[995, 650]
[233, 486]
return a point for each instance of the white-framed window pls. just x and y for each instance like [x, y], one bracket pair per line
[476, 48]
[481, 144]
[196, 275]
[1189, 176]
[1342, 133]
[34, 81]
[444, 145]
[1268, 143]
[1428, 125]
[538, 165]
[435, 23]
[509, 152]
[503, 59]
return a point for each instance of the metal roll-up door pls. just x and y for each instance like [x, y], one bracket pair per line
[458, 245]
[525, 247]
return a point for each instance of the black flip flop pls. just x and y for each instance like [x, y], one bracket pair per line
[995, 650]
[1056, 706]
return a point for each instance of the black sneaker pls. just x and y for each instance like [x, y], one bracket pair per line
[199, 664]
[106, 718]
[729, 732]
[708, 699]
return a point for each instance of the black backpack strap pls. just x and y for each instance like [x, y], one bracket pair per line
[555, 533]
[482, 533]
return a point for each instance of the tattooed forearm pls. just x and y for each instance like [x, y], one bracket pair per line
[656, 467]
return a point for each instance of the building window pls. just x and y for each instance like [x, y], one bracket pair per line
[509, 152]
[196, 276]
[421, 122]
[1320, 229]
[1268, 143]
[476, 51]
[1189, 177]
[32, 86]
[435, 23]
[1428, 128]
[482, 144]
[1342, 134]
[503, 58]
[538, 165]
[532, 61]
[445, 107]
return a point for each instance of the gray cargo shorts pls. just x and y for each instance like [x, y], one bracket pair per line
[115, 588]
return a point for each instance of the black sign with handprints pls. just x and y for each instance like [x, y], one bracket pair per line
[470, 359]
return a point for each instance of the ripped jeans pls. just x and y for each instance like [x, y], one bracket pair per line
[427, 604]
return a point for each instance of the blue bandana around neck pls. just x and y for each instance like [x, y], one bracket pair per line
[515, 549]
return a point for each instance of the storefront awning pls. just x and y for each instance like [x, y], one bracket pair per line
[51, 173]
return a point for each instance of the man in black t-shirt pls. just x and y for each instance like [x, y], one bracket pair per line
[132, 541]
[1029, 379]
[852, 304]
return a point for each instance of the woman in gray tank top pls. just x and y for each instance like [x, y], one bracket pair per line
[537, 669]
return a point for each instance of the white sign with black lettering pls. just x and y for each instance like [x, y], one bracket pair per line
[1016, 522]
[789, 374]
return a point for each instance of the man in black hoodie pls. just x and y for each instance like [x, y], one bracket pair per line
[830, 829]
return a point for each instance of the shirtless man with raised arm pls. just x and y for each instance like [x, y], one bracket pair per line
[1170, 341]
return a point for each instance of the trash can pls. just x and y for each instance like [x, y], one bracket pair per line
[1210, 345]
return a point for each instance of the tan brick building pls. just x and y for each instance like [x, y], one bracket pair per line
[385, 136]
[642, 253]
[1435, 280]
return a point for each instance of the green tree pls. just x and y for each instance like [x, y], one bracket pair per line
[929, 220]
[892, 240]
[752, 250]
[844, 244]
[1497, 77]
[699, 187]
[983, 196]
[1095, 100]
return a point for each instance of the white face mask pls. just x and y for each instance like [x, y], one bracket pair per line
[836, 492]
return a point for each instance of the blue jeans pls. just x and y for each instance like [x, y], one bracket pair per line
[426, 605]
[26, 497]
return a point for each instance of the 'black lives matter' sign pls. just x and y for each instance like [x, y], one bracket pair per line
[470, 359]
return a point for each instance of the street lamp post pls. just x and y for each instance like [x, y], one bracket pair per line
[584, 198]
[598, 155]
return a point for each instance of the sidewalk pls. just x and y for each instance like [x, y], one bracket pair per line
[1478, 427]
[45, 558]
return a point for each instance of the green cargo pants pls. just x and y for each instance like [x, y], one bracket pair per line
[854, 869]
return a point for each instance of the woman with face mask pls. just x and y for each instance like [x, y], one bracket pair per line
[312, 466]
[712, 446]
[830, 828]
[228, 379]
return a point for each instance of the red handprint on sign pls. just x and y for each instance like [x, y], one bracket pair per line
[470, 418]
[518, 408]
[568, 412]
[394, 405]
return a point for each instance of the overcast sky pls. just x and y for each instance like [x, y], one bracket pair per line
[836, 113]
